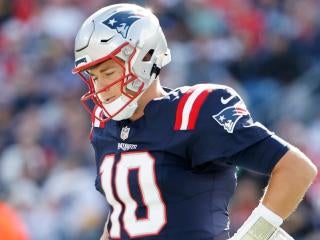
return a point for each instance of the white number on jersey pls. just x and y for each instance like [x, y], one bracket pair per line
[143, 163]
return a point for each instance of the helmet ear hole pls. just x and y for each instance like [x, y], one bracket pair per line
[148, 56]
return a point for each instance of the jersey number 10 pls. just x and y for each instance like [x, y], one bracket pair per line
[143, 163]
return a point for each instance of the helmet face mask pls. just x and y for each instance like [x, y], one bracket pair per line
[132, 37]
[126, 79]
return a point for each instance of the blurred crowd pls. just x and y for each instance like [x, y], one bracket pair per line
[268, 50]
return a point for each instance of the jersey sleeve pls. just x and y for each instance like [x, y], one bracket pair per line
[262, 156]
[225, 128]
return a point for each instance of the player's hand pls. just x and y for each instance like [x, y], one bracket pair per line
[262, 224]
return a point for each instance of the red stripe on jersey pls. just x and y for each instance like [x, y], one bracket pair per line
[196, 108]
[180, 108]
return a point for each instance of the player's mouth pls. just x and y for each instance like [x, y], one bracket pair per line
[109, 100]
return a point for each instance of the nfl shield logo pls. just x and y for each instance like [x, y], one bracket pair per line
[124, 133]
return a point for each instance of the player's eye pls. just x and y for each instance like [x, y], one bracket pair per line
[109, 73]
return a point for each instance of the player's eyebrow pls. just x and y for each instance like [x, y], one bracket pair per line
[100, 71]
[104, 69]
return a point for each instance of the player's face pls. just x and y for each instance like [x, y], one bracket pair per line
[107, 74]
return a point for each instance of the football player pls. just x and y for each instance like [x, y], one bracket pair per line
[166, 158]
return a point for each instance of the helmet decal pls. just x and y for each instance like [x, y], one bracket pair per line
[122, 21]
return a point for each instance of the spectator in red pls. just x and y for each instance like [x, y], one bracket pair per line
[11, 225]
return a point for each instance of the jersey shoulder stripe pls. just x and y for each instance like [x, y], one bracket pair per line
[190, 105]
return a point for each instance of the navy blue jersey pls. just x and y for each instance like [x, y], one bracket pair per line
[170, 174]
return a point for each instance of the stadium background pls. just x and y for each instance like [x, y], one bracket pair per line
[266, 49]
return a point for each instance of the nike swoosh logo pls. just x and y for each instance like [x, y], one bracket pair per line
[106, 40]
[226, 100]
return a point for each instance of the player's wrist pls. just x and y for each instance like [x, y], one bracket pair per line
[269, 215]
[261, 221]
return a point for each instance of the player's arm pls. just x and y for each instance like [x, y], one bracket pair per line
[248, 144]
[291, 172]
[289, 181]
[290, 178]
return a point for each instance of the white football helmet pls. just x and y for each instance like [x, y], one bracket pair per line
[127, 32]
